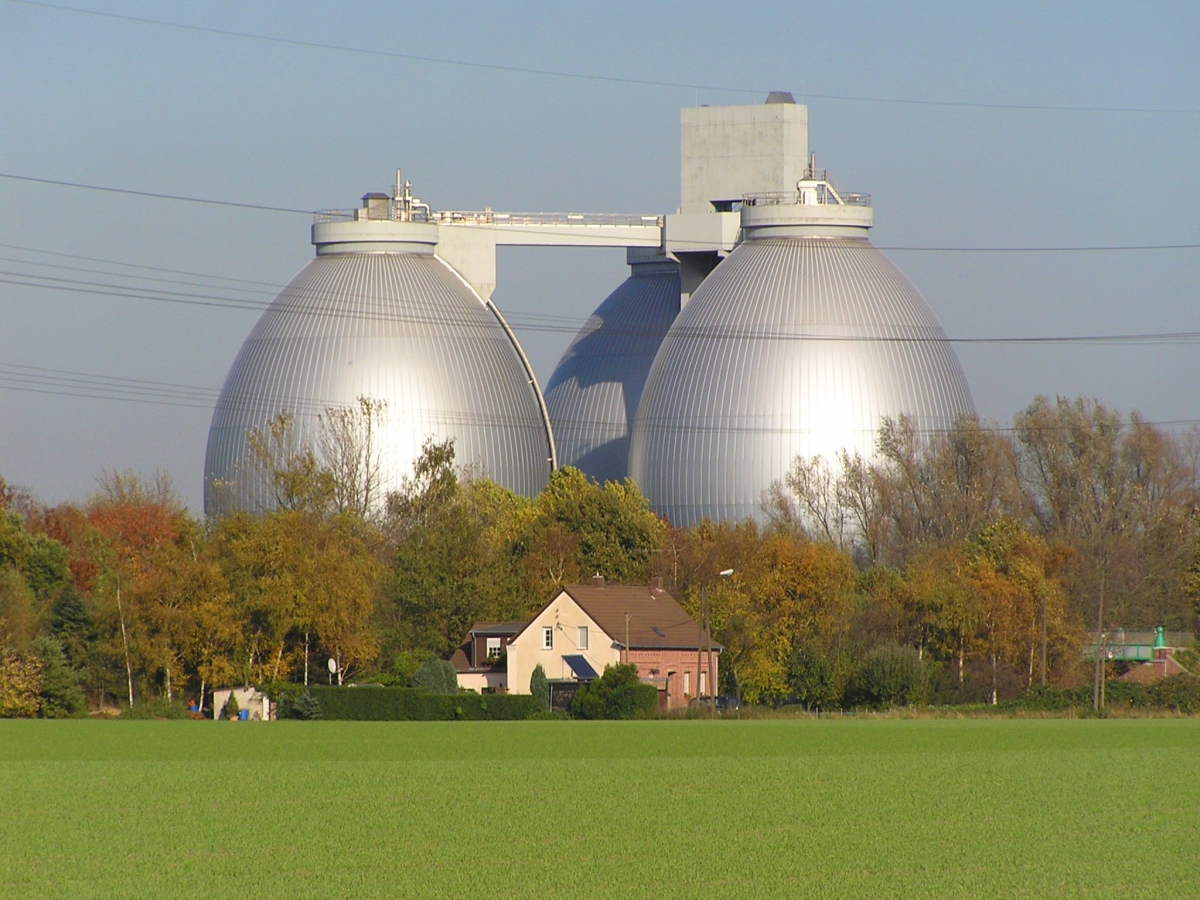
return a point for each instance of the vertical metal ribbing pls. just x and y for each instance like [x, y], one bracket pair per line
[743, 382]
[399, 327]
[594, 391]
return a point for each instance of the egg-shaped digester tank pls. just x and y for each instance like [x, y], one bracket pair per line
[378, 315]
[798, 344]
[593, 394]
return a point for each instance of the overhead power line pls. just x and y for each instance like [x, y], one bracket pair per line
[93, 386]
[588, 76]
[154, 194]
[129, 265]
[616, 240]
[304, 302]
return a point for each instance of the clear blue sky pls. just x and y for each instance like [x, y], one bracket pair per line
[111, 102]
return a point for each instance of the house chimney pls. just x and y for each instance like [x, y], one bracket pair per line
[656, 582]
[597, 580]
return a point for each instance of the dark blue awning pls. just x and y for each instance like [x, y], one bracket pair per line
[581, 667]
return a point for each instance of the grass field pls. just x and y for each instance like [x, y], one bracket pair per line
[683, 809]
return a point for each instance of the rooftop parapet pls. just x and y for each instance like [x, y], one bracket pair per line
[489, 217]
[815, 208]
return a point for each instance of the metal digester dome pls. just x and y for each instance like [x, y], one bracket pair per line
[594, 391]
[377, 314]
[797, 344]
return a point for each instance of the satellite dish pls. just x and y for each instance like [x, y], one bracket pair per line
[332, 666]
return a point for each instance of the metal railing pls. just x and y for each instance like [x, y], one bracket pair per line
[822, 193]
[369, 215]
[488, 217]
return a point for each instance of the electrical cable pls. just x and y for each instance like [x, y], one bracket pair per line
[584, 76]
[41, 380]
[154, 194]
[129, 265]
[614, 240]
[572, 326]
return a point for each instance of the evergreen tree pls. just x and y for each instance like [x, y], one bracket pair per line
[61, 695]
[540, 687]
[436, 676]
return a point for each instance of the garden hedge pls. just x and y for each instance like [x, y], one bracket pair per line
[403, 704]
[1180, 693]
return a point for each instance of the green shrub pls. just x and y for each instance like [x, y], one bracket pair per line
[156, 708]
[1128, 694]
[283, 695]
[399, 671]
[888, 676]
[231, 708]
[1189, 659]
[412, 704]
[1049, 699]
[617, 694]
[436, 676]
[1178, 692]
[810, 679]
[306, 706]
[539, 687]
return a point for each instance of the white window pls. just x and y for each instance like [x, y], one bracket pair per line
[583, 637]
[703, 688]
[493, 647]
[547, 638]
[687, 682]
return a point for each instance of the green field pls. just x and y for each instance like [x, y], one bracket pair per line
[849, 808]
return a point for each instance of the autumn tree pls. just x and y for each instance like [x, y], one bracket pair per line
[577, 527]
[450, 556]
[348, 443]
[141, 523]
[918, 491]
[786, 591]
[1122, 494]
[289, 464]
[334, 470]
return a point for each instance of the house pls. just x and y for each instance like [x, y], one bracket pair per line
[585, 628]
[480, 659]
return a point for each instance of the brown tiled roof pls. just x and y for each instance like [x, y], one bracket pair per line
[655, 618]
[1155, 670]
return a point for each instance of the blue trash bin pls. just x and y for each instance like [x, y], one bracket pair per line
[243, 715]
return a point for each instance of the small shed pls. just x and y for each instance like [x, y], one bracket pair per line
[252, 701]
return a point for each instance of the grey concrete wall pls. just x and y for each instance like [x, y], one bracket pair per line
[728, 151]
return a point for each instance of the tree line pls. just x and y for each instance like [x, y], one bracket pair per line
[986, 558]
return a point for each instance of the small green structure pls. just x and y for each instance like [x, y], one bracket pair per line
[1138, 646]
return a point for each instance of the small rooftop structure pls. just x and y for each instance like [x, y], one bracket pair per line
[1162, 663]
